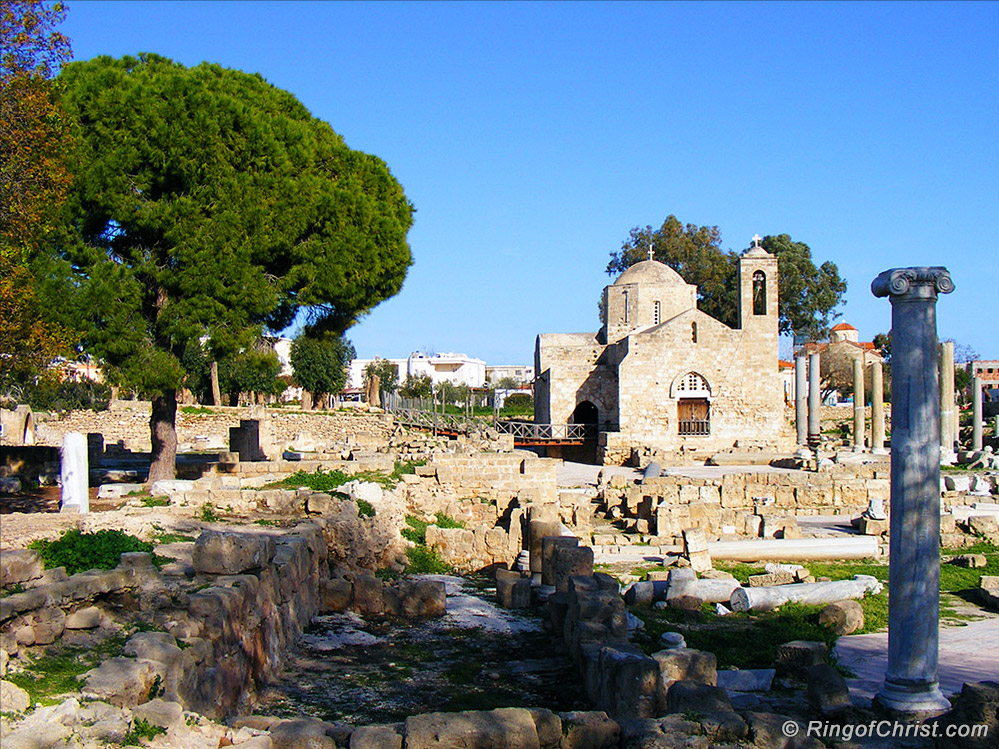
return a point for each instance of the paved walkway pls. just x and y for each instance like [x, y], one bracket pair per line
[967, 653]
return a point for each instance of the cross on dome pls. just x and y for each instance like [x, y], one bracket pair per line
[756, 240]
[651, 253]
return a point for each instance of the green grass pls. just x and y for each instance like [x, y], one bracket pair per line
[364, 509]
[50, 676]
[207, 514]
[78, 551]
[319, 481]
[738, 640]
[424, 561]
[141, 729]
[416, 530]
[165, 537]
[155, 501]
[264, 521]
[12, 589]
[196, 411]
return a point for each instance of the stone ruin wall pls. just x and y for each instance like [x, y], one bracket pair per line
[128, 422]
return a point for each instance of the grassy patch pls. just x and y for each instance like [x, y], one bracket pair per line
[196, 411]
[264, 521]
[207, 514]
[78, 551]
[446, 521]
[165, 537]
[364, 509]
[155, 501]
[141, 729]
[55, 673]
[416, 530]
[319, 481]
[738, 640]
[11, 590]
[424, 561]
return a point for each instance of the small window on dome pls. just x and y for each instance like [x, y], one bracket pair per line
[626, 306]
[656, 313]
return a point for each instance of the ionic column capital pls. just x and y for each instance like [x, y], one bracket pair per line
[912, 284]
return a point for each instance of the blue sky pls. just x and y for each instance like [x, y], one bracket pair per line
[531, 137]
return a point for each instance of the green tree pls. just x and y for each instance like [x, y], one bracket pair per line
[388, 374]
[251, 371]
[320, 363]
[417, 386]
[808, 294]
[209, 204]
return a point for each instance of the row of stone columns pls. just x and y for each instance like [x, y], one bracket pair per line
[811, 434]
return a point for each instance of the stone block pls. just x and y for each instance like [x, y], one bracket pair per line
[630, 683]
[872, 527]
[335, 595]
[984, 525]
[695, 547]
[504, 728]
[795, 657]
[159, 712]
[538, 530]
[85, 618]
[971, 561]
[684, 664]
[827, 691]
[19, 566]
[771, 578]
[13, 698]
[570, 561]
[746, 679]
[375, 737]
[228, 553]
[694, 697]
[988, 591]
[367, 594]
[513, 593]
[307, 733]
[843, 617]
[124, 682]
[548, 545]
[47, 625]
[589, 730]
[549, 727]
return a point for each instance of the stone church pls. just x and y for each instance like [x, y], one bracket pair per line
[661, 377]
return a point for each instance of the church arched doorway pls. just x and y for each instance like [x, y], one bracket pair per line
[585, 413]
[693, 405]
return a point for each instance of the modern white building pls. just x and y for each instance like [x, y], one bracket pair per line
[457, 369]
[520, 373]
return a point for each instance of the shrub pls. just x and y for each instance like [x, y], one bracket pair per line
[424, 561]
[446, 521]
[78, 551]
[364, 509]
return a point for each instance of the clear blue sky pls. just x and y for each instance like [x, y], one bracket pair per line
[532, 137]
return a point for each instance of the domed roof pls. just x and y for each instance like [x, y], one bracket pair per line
[650, 271]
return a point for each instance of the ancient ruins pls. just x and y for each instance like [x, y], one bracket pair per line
[453, 590]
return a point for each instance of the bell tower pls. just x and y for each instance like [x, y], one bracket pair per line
[758, 289]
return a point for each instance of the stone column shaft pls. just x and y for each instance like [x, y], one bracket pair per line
[911, 684]
[947, 412]
[814, 401]
[800, 399]
[74, 474]
[858, 404]
[976, 413]
[877, 408]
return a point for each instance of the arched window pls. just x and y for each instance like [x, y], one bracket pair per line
[759, 293]
[693, 332]
[656, 313]
[626, 306]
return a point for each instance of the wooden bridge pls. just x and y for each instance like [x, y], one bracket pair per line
[525, 433]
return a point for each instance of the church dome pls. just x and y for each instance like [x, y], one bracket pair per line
[649, 271]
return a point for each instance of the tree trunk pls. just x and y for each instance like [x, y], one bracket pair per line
[163, 434]
[216, 392]
[306, 400]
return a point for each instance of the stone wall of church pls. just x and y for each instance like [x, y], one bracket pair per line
[572, 371]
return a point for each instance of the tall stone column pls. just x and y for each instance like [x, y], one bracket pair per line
[911, 684]
[976, 413]
[814, 401]
[877, 408]
[859, 431]
[74, 474]
[947, 410]
[800, 399]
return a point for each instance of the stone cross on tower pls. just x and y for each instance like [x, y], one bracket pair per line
[651, 253]
[756, 240]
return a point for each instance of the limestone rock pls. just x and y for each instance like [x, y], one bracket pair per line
[686, 664]
[988, 591]
[504, 728]
[47, 625]
[13, 698]
[549, 727]
[843, 617]
[972, 561]
[589, 730]
[19, 566]
[375, 737]
[691, 696]
[513, 593]
[976, 705]
[159, 712]
[306, 733]
[725, 725]
[335, 595]
[227, 553]
[124, 682]
[85, 618]
[746, 680]
[567, 562]
[795, 657]
[827, 690]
